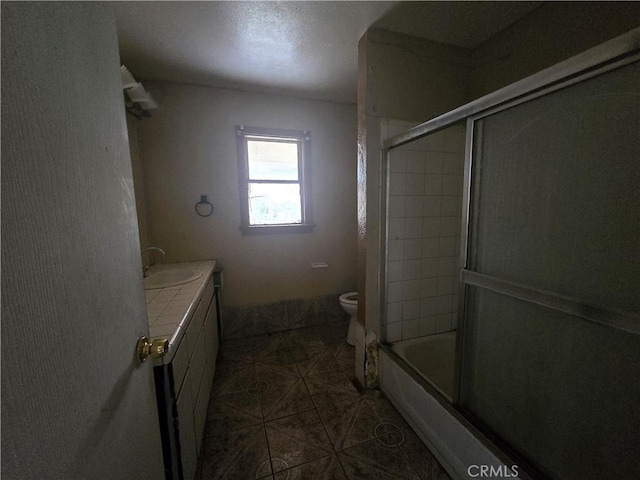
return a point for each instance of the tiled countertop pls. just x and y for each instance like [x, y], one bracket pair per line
[170, 309]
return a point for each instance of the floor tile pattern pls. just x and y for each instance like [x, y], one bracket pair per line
[285, 406]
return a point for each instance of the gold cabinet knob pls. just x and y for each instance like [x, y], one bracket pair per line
[157, 348]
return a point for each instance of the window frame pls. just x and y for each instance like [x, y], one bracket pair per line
[303, 139]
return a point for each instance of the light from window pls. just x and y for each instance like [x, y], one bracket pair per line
[273, 166]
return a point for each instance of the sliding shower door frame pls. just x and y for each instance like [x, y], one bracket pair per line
[609, 56]
[604, 315]
[601, 314]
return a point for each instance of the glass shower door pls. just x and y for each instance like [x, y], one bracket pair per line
[549, 346]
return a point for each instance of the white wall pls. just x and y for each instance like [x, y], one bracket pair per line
[414, 79]
[407, 79]
[137, 168]
[550, 34]
[188, 148]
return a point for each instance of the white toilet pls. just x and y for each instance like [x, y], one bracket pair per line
[349, 302]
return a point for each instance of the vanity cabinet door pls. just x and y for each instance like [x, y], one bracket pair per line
[180, 364]
[200, 411]
[211, 339]
[194, 330]
[187, 434]
[197, 368]
[204, 360]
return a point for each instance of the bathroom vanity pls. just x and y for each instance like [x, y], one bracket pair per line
[186, 315]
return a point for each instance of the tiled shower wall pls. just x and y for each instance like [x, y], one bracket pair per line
[424, 223]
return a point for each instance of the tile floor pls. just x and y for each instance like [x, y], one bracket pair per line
[283, 406]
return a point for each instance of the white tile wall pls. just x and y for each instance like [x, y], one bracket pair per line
[424, 223]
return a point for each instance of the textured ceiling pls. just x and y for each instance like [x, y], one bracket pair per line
[307, 49]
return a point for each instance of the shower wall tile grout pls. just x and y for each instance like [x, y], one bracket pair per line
[424, 223]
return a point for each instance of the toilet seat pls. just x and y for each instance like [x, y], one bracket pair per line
[350, 298]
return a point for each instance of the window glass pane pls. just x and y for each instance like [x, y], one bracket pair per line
[272, 160]
[274, 204]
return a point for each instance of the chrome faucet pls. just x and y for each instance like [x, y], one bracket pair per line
[151, 249]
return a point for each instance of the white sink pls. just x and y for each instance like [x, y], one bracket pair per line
[163, 276]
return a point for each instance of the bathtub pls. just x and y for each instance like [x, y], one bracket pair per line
[432, 357]
[456, 443]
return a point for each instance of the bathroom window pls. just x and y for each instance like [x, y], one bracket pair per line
[273, 166]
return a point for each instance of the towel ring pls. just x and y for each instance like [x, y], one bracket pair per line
[204, 208]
